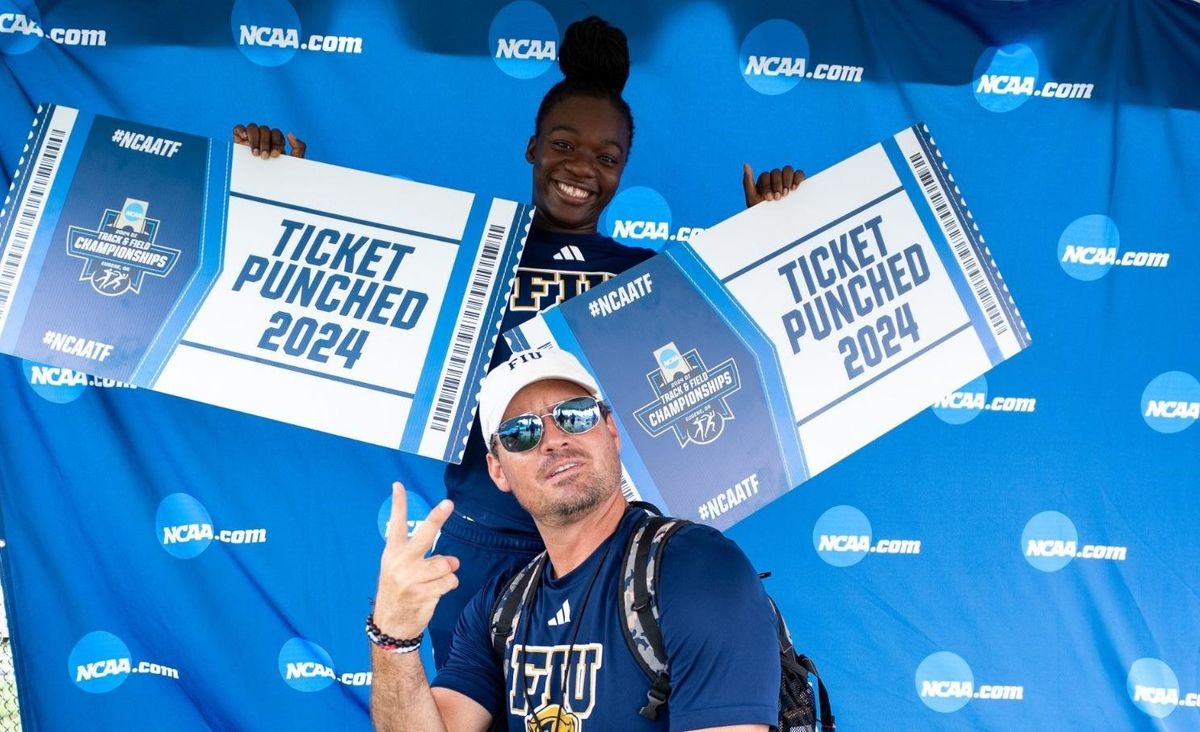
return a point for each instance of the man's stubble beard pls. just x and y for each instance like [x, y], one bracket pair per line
[601, 480]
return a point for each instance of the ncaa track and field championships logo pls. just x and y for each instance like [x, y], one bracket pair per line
[306, 666]
[945, 683]
[185, 528]
[523, 40]
[1154, 688]
[775, 56]
[121, 252]
[842, 538]
[1050, 542]
[61, 385]
[100, 662]
[1089, 248]
[1171, 402]
[1006, 77]
[691, 398]
[418, 511]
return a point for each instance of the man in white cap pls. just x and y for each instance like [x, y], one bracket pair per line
[553, 443]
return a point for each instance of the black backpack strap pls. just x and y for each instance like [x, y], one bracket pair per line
[506, 611]
[641, 567]
[802, 665]
[826, 718]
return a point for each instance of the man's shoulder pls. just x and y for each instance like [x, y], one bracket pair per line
[698, 561]
[701, 544]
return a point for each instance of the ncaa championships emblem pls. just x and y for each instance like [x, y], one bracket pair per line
[121, 251]
[691, 398]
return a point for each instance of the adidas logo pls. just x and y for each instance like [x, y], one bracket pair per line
[563, 616]
[570, 253]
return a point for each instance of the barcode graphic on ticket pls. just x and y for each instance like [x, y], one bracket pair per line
[465, 335]
[961, 232]
[470, 345]
[47, 141]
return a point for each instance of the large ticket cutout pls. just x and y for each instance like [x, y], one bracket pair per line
[348, 302]
[791, 335]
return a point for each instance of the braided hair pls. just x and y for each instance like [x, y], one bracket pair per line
[594, 58]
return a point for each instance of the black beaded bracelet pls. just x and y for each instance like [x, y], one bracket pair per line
[387, 642]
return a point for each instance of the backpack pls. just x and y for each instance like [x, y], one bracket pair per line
[640, 571]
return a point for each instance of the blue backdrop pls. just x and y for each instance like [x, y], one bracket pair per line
[1024, 554]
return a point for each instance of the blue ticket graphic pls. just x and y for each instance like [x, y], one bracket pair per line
[785, 338]
[343, 301]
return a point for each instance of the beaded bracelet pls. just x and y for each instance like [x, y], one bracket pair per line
[387, 642]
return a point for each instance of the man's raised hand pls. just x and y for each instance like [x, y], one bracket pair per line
[410, 584]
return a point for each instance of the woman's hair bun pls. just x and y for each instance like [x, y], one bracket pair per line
[595, 52]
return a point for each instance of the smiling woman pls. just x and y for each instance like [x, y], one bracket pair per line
[578, 156]
[583, 130]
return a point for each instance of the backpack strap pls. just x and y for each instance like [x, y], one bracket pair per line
[506, 611]
[641, 567]
[826, 717]
[802, 665]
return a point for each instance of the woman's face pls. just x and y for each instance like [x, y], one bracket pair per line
[578, 156]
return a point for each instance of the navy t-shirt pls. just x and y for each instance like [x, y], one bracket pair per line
[553, 268]
[717, 625]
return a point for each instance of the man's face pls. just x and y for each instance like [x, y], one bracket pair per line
[578, 156]
[565, 475]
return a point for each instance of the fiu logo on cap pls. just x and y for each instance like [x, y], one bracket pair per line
[690, 397]
[122, 250]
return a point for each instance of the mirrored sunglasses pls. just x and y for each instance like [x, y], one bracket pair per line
[573, 416]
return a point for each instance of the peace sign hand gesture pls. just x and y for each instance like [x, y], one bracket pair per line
[410, 584]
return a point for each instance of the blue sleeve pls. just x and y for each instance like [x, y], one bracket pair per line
[720, 634]
[471, 668]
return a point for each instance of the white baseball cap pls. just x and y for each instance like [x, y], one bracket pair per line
[503, 382]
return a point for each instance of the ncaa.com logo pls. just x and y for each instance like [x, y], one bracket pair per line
[1154, 688]
[100, 662]
[967, 403]
[21, 30]
[185, 528]
[1171, 402]
[640, 217]
[59, 385]
[1091, 245]
[306, 666]
[774, 57]
[842, 537]
[945, 683]
[1006, 77]
[1050, 542]
[268, 33]
[523, 40]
